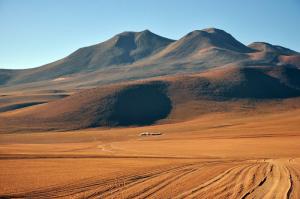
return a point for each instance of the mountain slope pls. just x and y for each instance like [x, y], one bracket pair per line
[198, 40]
[121, 49]
[199, 47]
[266, 47]
[150, 101]
[6, 75]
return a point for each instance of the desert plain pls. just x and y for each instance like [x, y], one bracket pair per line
[219, 155]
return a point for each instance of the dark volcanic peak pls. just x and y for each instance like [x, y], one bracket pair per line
[269, 48]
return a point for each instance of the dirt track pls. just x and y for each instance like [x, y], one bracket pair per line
[203, 179]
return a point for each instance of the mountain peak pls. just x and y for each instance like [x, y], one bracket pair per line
[208, 31]
[146, 31]
[267, 47]
[125, 34]
[213, 30]
[135, 33]
[213, 37]
[123, 48]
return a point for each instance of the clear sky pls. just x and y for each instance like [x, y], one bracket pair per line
[36, 32]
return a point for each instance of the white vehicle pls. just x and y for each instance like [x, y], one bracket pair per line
[150, 133]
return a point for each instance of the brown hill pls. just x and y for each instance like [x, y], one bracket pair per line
[150, 101]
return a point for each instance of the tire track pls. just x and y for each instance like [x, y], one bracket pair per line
[127, 185]
[103, 186]
[226, 187]
[294, 191]
[244, 179]
[276, 184]
[263, 175]
[247, 181]
[84, 186]
[210, 183]
[151, 190]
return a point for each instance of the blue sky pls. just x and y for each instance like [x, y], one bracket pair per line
[36, 32]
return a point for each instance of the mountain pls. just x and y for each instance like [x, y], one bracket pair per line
[140, 78]
[139, 55]
[198, 50]
[124, 48]
[198, 40]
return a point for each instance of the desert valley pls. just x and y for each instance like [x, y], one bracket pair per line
[144, 116]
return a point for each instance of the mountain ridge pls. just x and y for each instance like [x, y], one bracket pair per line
[144, 54]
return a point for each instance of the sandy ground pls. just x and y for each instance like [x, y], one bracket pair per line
[224, 155]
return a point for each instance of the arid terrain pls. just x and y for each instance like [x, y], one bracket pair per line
[239, 156]
[143, 116]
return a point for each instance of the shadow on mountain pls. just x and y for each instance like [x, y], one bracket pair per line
[258, 85]
[18, 106]
[141, 105]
